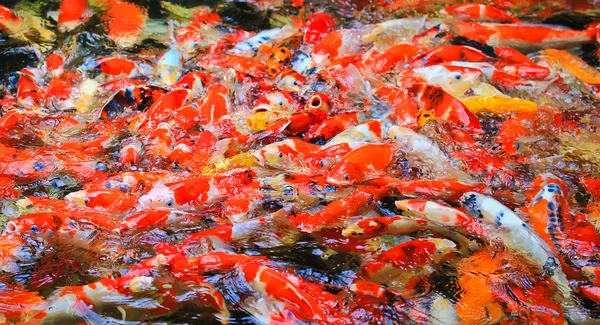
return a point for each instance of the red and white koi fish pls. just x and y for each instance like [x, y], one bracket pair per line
[480, 13]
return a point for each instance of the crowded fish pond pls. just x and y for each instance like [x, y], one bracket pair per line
[299, 162]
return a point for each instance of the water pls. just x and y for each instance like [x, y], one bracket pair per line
[77, 142]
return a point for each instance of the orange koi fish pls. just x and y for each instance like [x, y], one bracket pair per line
[72, 13]
[479, 12]
[123, 22]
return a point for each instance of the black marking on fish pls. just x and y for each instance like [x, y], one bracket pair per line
[100, 166]
[223, 28]
[320, 140]
[555, 222]
[550, 266]
[37, 166]
[574, 20]
[554, 187]
[486, 49]
[330, 188]
[387, 206]
[470, 204]
[288, 191]
[499, 218]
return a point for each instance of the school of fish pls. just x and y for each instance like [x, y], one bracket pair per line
[433, 169]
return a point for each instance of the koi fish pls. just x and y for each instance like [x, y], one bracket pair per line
[575, 66]
[243, 64]
[139, 281]
[522, 36]
[425, 152]
[289, 155]
[517, 235]
[366, 132]
[361, 164]
[169, 66]
[303, 173]
[317, 26]
[443, 215]
[8, 17]
[106, 199]
[72, 13]
[479, 12]
[407, 257]
[251, 46]
[404, 225]
[334, 45]
[123, 22]
[358, 200]
[549, 214]
[453, 79]
[195, 192]
[273, 284]
[392, 58]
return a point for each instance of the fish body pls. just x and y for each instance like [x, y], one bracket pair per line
[516, 234]
[523, 36]
[479, 12]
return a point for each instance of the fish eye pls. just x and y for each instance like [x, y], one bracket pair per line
[34, 228]
[100, 166]
[346, 176]
[288, 190]
[321, 163]
[86, 200]
[280, 155]
[169, 203]
[457, 76]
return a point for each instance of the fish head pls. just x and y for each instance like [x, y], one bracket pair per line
[160, 197]
[328, 48]
[290, 80]
[279, 155]
[169, 67]
[275, 101]
[346, 173]
[78, 198]
[319, 101]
